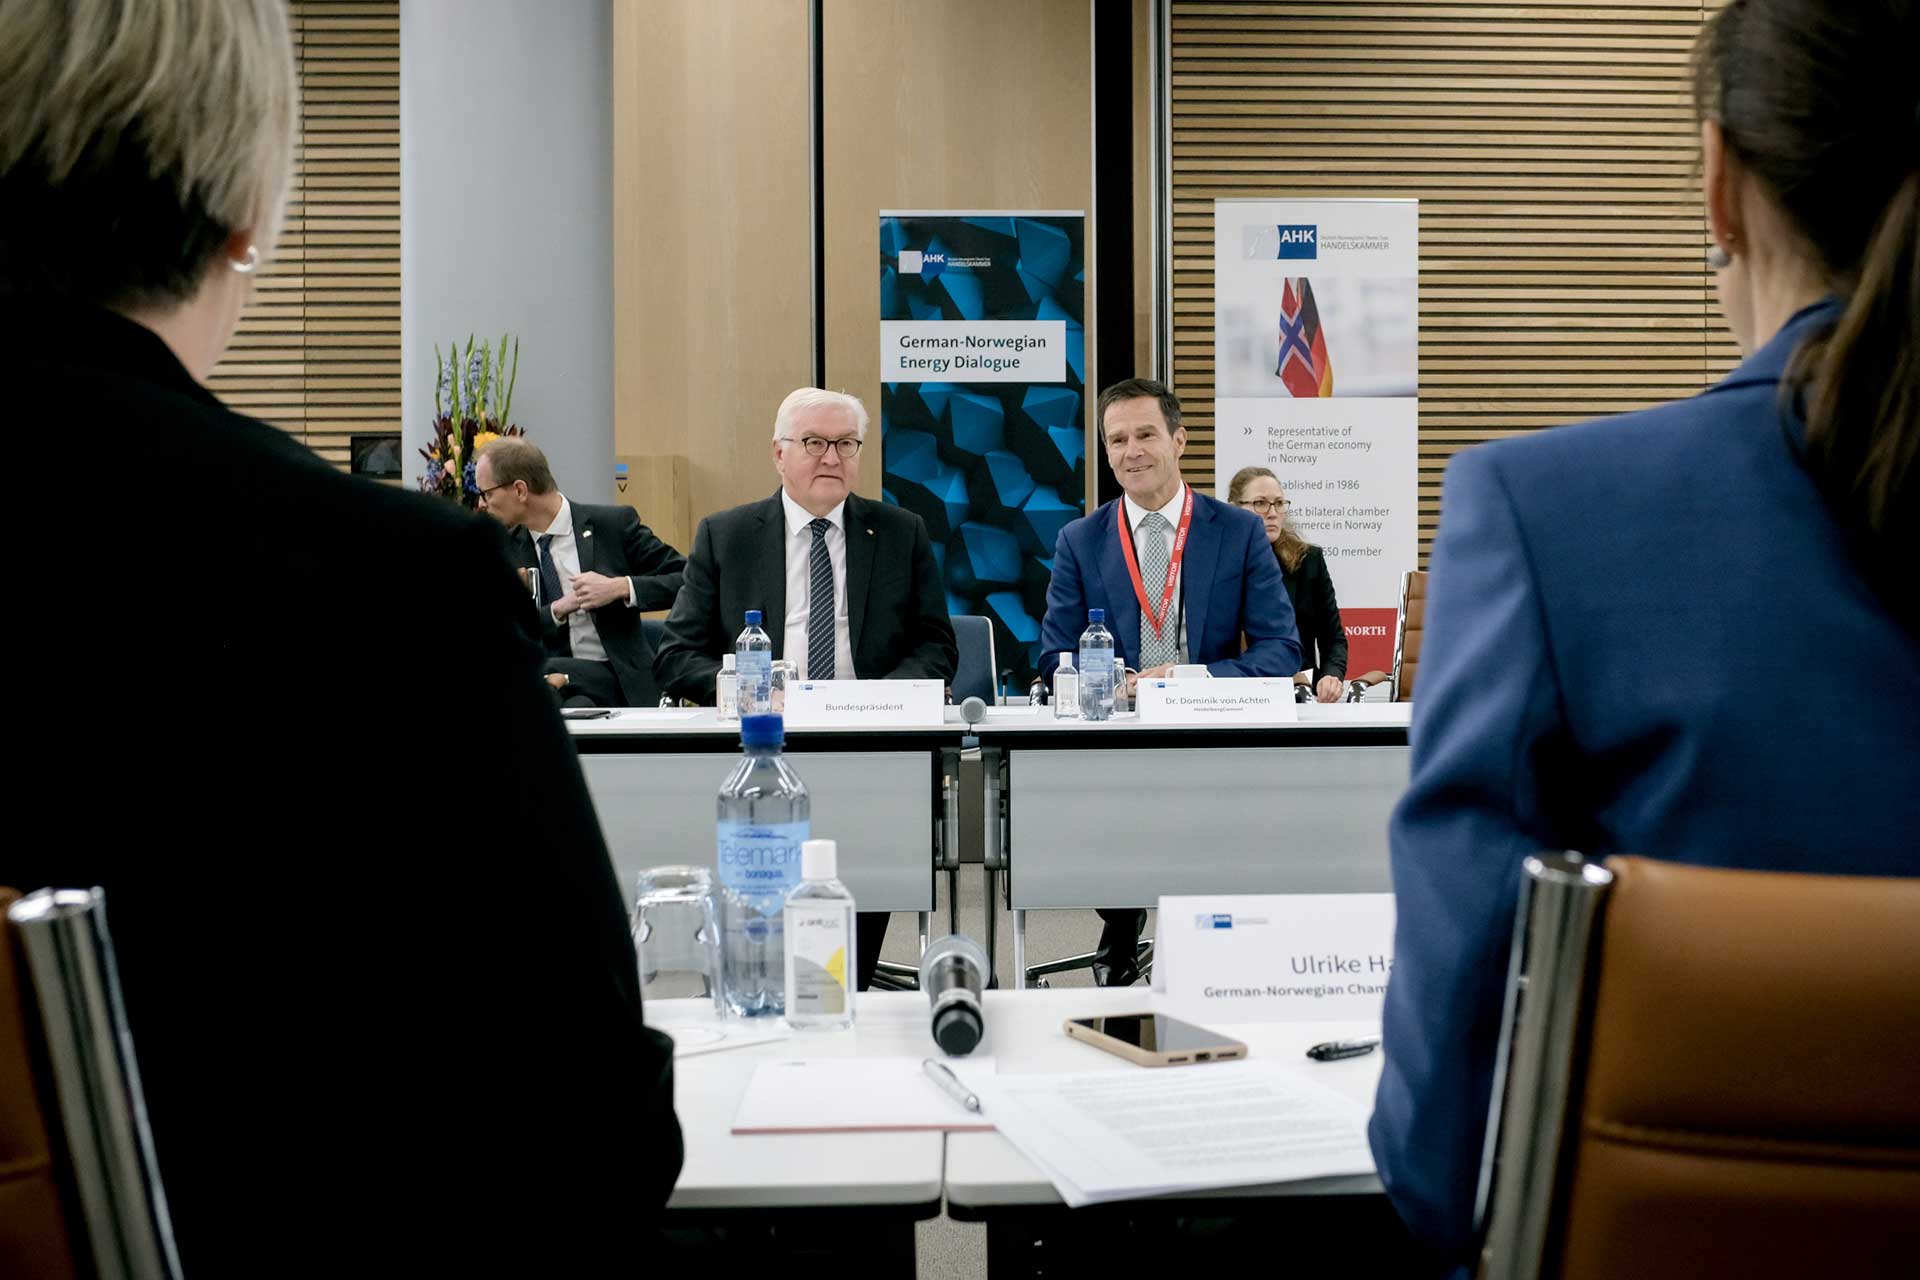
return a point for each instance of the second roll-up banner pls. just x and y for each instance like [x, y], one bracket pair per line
[1316, 346]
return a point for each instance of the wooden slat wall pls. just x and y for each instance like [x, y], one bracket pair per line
[1552, 147]
[317, 353]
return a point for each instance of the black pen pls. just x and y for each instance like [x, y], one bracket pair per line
[1334, 1050]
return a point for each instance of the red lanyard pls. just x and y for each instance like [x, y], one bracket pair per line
[1157, 618]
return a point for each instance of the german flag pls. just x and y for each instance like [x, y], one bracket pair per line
[1304, 368]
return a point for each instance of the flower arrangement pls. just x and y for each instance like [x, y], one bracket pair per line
[472, 407]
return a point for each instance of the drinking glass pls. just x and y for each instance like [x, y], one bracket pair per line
[676, 931]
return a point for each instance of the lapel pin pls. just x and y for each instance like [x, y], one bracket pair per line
[586, 533]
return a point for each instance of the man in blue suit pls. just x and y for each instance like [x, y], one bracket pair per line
[1183, 578]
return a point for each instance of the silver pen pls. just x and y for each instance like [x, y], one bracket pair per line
[941, 1074]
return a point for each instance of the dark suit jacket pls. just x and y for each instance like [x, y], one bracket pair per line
[1620, 625]
[612, 541]
[1316, 614]
[896, 605]
[1229, 581]
[376, 965]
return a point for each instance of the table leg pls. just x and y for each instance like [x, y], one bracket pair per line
[1019, 951]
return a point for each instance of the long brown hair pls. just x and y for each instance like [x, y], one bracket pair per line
[1817, 99]
[1289, 546]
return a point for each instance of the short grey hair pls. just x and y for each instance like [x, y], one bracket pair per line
[814, 398]
[176, 117]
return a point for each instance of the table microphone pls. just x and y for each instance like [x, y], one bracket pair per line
[953, 973]
[973, 710]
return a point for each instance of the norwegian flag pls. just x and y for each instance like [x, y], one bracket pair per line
[1305, 368]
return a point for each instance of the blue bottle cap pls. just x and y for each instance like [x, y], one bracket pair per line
[753, 617]
[762, 731]
[1096, 615]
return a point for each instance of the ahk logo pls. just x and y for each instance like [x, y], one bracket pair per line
[1209, 921]
[1299, 242]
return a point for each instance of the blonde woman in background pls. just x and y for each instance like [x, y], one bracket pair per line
[1303, 566]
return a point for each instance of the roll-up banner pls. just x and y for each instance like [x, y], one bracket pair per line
[982, 390]
[1316, 346]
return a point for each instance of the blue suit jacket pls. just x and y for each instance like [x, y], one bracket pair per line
[1644, 635]
[1229, 580]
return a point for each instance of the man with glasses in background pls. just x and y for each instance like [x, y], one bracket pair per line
[593, 570]
[848, 586]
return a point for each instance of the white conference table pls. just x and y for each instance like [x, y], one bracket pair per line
[1122, 813]
[977, 1170]
[1091, 811]
[653, 775]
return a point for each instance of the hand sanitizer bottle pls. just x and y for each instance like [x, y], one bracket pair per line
[821, 941]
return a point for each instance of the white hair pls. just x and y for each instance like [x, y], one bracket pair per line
[814, 398]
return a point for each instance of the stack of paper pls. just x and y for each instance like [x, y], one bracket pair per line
[850, 1095]
[1119, 1135]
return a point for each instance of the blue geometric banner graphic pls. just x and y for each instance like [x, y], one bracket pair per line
[982, 403]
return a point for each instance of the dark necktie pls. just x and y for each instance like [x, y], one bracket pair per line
[550, 592]
[820, 605]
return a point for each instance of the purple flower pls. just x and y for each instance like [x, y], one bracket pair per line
[472, 485]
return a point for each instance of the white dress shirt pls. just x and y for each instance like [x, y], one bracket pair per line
[793, 646]
[583, 637]
[1171, 514]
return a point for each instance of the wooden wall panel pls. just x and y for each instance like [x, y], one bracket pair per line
[1552, 147]
[943, 104]
[317, 352]
[711, 236]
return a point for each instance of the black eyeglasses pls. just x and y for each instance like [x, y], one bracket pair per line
[490, 488]
[1265, 506]
[816, 446]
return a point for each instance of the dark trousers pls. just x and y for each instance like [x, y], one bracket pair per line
[871, 930]
[1115, 963]
[589, 683]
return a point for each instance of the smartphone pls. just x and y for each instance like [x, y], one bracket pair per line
[1155, 1040]
[584, 713]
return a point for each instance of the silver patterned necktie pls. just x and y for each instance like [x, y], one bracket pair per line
[820, 604]
[1155, 649]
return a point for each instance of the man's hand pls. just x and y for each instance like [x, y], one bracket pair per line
[557, 680]
[1329, 689]
[1160, 672]
[564, 607]
[597, 589]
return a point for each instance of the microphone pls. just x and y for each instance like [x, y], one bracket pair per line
[953, 973]
[973, 710]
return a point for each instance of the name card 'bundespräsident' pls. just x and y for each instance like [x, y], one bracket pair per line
[1301, 957]
[1235, 701]
[860, 704]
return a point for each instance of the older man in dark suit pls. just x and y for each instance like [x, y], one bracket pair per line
[593, 570]
[848, 586]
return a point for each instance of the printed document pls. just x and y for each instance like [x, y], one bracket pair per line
[1112, 1135]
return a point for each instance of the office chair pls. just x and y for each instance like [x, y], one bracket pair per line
[1705, 1072]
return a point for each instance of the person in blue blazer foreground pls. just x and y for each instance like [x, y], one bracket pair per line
[1688, 632]
[1200, 576]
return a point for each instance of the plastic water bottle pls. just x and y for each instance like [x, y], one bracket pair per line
[764, 817]
[1066, 690]
[1096, 668]
[726, 688]
[821, 942]
[753, 660]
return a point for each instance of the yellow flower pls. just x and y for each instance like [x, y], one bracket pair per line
[484, 438]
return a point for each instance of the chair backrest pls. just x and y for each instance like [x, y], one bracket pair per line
[1740, 1060]
[1406, 643]
[33, 1227]
[128, 1234]
[977, 675]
